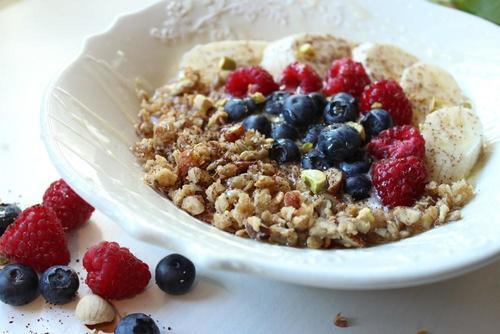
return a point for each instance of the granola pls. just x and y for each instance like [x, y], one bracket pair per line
[223, 175]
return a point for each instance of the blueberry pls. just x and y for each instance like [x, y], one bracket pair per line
[284, 130]
[376, 121]
[341, 108]
[312, 133]
[358, 186]
[137, 323]
[8, 213]
[319, 101]
[274, 102]
[284, 150]
[236, 109]
[59, 284]
[299, 111]
[175, 274]
[354, 167]
[252, 106]
[18, 284]
[339, 142]
[315, 159]
[259, 123]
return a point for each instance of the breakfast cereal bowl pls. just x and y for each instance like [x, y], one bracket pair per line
[89, 114]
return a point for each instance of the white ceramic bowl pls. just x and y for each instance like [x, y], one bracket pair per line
[89, 111]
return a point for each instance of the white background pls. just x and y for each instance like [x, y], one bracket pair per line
[37, 39]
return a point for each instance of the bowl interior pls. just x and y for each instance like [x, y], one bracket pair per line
[89, 112]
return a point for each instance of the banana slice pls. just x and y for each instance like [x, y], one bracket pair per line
[428, 88]
[453, 140]
[316, 50]
[383, 61]
[206, 58]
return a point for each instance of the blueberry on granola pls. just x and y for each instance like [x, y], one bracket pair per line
[376, 121]
[355, 166]
[339, 142]
[259, 123]
[284, 150]
[8, 214]
[319, 101]
[312, 134]
[284, 130]
[274, 102]
[237, 109]
[358, 186]
[299, 111]
[18, 284]
[341, 108]
[315, 159]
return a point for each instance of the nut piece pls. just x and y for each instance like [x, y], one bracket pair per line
[202, 103]
[315, 179]
[358, 127]
[258, 98]
[334, 177]
[93, 310]
[227, 64]
[307, 50]
[306, 147]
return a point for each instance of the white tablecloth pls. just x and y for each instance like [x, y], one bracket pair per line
[37, 39]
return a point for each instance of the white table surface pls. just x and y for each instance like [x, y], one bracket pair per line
[37, 39]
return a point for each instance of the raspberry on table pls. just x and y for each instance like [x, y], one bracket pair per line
[69, 207]
[36, 239]
[387, 95]
[397, 142]
[113, 272]
[302, 76]
[346, 75]
[399, 181]
[252, 79]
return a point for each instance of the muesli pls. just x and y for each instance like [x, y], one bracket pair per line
[310, 141]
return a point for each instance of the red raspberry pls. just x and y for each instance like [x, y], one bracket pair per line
[250, 79]
[387, 95]
[346, 75]
[399, 181]
[301, 75]
[113, 272]
[36, 239]
[397, 142]
[70, 208]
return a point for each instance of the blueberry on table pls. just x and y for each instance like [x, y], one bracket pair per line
[312, 133]
[8, 214]
[339, 142]
[354, 167]
[59, 284]
[284, 130]
[358, 186]
[175, 274]
[299, 111]
[376, 121]
[137, 323]
[315, 159]
[259, 123]
[319, 101]
[18, 284]
[237, 109]
[274, 102]
[342, 108]
[284, 150]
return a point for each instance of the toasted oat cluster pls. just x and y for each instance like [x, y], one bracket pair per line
[203, 147]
